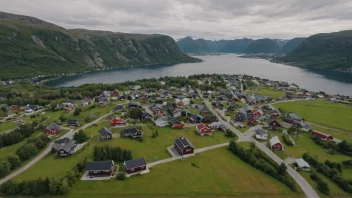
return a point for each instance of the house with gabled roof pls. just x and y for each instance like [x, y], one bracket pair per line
[67, 149]
[105, 134]
[100, 168]
[203, 130]
[261, 134]
[162, 121]
[147, 117]
[52, 129]
[195, 118]
[210, 119]
[323, 136]
[117, 121]
[119, 108]
[135, 166]
[240, 117]
[275, 144]
[274, 124]
[183, 146]
[132, 132]
[176, 124]
[72, 123]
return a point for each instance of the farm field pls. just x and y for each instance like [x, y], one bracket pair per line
[268, 92]
[335, 115]
[234, 178]
[152, 149]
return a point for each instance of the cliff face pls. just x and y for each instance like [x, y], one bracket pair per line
[31, 47]
[328, 51]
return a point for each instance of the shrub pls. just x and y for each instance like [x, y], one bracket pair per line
[121, 176]
[5, 168]
[80, 137]
[322, 185]
[14, 161]
[194, 165]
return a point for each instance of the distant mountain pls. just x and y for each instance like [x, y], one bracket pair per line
[263, 46]
[236, 46]
[327, 51]
[31, 47]
[281, 42]
[291, 45]
[190, 45]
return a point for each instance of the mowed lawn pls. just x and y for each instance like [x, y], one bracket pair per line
[152, 149]
[335, 115]
[268, 92]
[220, 173]
[304, 144]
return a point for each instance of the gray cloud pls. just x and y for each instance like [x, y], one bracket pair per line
[210, 19]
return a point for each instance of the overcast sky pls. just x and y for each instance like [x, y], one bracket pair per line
[210, 19]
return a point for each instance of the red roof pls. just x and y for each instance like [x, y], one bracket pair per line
[322, 135]
[204, 129]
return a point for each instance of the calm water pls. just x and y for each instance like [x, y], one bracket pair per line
[330, 82]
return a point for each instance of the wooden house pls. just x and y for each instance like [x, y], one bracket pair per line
[275, 144]
[183, 146]
[132, 132]
[117, 121]
[176, 124]
[52, 129]
[323, 136]
[105, 134]
[100, 168]
[135, 166]
[66, 149]
[203, 129]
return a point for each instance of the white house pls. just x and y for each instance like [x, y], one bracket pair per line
[161, 122]
[261, 134]
[302, 165]
[214, 125]
[186, 101]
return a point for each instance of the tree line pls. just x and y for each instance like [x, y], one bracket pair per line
[261, 161]
[108, 152]
[30, 149]
[342, 147]
[17, 135]
[47, 186]
[330, 172]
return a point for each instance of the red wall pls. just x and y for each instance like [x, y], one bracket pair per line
[129, 171]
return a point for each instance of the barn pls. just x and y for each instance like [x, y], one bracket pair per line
[275, 144]
[183, 146]
[323, 136]
[135, 166]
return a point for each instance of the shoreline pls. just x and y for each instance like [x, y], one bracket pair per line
[271, 59]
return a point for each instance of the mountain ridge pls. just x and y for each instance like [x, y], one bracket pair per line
[30, 47]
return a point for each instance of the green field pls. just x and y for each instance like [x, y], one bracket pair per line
[335, 191]
[268, 92]
[8, 125]
[335, 115]
[220, 173]
[304, 144]
[152, 149]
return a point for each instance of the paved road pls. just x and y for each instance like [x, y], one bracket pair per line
[48, 149]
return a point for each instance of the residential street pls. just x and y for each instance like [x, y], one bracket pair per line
[48, 149]
[304, 185]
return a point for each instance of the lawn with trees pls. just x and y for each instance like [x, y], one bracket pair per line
[213, 173]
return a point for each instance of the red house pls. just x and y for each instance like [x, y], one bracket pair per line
[275, 144]
[251, 121]
[15, 108]
[257, 114]
[52, 129]
[273, 124]
[326, 137]
[135, 166]
[183, 146]
[203, 129]
[117, 121]
[176, 124]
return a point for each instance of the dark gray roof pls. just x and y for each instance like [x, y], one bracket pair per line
[135, 163]
[196, 116]
[53, 126]
[72, 122]
[260, 132]
[62, 141]
[69, 146]
[99, 165]
[119, 107]
[174, 120]
[131, 131]
[105, 131]
[183, 142]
